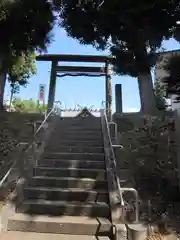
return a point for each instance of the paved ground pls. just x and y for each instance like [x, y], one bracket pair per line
[42, 236]
[1, 206]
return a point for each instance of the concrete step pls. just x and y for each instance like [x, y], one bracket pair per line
[71, 163]
[86, 126]
[74, 132]
[74, 149]
[83, 140]
[85, 131]
[82, 128]
[70, 172]
[62, 142]
[77, 137]
[14, 235]
[59, 225]
[70, 194]
[63, 208]
[65, 182]
[75, 156]
[85, 123]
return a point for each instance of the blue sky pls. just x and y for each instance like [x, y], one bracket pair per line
[82, 90]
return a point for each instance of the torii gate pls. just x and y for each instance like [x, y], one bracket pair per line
[78, 71]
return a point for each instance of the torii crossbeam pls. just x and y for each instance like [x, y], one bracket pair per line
[62, 71]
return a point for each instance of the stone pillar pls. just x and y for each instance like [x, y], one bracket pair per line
[118, 96]
[110, 97]
[52, 86]
[136, 232]
[147, 97]
[106, 85]
[108, 92]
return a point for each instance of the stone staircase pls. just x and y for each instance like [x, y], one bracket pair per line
[67, 196]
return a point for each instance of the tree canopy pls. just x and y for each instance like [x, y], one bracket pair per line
[22, 68]
[160, 95]
[172, 78]
[132, 30]
[25, 25]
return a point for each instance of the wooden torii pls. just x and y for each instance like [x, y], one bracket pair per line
[62, 71]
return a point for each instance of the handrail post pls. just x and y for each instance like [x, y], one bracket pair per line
[104, 122]
[115, 129]
[136, 201]
[111, 155]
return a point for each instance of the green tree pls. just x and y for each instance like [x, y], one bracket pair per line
[28, 106]
[17, 105]
[25, 26]
[20, 71]
[22, 68]
[172, 78]
[160, 95]
[132, 30]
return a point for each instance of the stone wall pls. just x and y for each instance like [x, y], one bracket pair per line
[15, 128]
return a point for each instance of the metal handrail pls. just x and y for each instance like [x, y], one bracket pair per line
[114, 159]
[28, 146]
[115, 129]
[44, 121]
[120, 189]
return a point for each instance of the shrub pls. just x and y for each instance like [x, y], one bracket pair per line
[152, 157]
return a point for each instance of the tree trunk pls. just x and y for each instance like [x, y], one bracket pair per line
[3, 74]
[146, 91]
[11, 97]
[141, 57]
[2, 88]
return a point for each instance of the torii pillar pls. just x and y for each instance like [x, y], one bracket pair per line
[108, 88]
[52, 86]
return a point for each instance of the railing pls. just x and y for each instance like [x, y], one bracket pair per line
[30, 146]
[111, 155]
[44, 121]
[55, 109]
[113, 165]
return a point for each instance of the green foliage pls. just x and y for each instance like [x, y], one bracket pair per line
[9, 138]
[28, 106]
[25, 25]
[5, 6]
[152, 157]
[21, 69]
[132, 30]
[160, 94]
[172, 79]
[7, 142]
